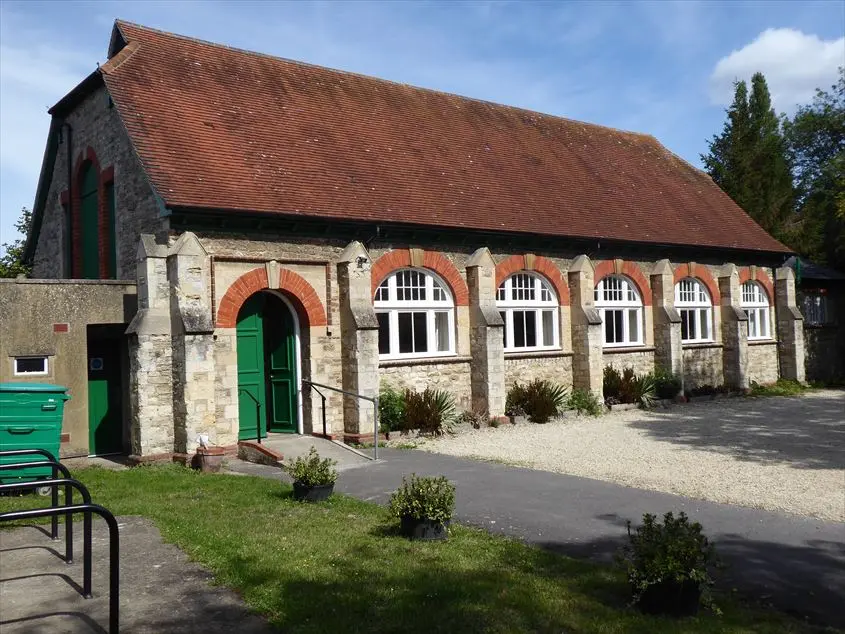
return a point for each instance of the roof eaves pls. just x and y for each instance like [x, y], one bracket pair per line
[45, 179]
[773, 256]
[77, 94]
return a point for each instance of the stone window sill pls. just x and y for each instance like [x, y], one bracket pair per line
[628, 350]
[703, 345]
[763, 342]
[399, 363]
[539, 354]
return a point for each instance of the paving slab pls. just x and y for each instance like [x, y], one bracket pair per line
[160, 590]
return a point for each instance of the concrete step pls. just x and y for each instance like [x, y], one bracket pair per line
[280, 449]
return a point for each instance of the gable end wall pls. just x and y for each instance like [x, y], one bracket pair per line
[97, 125]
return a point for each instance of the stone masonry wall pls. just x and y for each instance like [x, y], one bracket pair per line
[555, 368]
[96, 124]
[702, 366]
[763, 362]
[450, 375]
[642, 362]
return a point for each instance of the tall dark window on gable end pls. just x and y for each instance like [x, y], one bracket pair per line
[89, 202]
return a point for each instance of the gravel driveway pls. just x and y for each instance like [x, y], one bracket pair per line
[781, 454]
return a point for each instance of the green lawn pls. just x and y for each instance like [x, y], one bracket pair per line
[339, 567]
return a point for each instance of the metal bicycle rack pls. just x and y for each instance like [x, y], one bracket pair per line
[68, 510]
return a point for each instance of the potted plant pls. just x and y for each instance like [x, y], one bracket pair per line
[668, 565]
[208, 458]
[424, 507]
[313, 477]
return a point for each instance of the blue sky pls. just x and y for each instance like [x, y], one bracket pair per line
[664, 68]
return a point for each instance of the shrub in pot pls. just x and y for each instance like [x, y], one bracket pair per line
[424, 506]
[313, 477]
[668, 565]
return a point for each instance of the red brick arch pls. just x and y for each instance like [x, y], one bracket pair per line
[631, 270]
[760, 276]
[437, 262]
[543, 266]
[305, 299]
[701, 273]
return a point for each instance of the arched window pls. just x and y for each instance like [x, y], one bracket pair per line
[756, 304]
[529, 308]
[693, 302]
[621, 310]
[416, 315]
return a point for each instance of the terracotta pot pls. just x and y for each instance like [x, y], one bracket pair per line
[209, 459]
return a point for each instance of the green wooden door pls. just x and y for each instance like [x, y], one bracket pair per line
[280, 347]
[105, 412]
[90, 224]
[251, 377]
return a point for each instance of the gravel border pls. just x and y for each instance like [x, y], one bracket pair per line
[778, 453]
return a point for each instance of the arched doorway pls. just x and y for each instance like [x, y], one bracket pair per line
[268, 366]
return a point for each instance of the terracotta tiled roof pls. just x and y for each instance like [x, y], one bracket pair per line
[221, 128]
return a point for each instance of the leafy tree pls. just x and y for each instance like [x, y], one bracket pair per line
[11, 261]
[816, 141]
[749, 161]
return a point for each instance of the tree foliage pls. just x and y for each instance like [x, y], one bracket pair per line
[816, 144]
[749, 160]
[11, 261]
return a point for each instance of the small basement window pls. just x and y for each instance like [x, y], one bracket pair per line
[31, 366]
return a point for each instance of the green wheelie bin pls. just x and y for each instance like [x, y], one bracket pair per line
[30, 418]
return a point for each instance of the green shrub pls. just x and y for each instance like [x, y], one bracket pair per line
[612, 384]
[429, 411]
[628, 387]
[515, 400]
[666, 384]
[427, 498]
[707, 390]
[540, 400]
[643, 389]
[391, 409]
[584, 402]
[311, 470]
[475, 419]
[675, 550]
[783, 387]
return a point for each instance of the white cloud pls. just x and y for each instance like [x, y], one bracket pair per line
[794, 63]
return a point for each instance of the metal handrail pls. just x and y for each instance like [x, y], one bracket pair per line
[114, 547]
[372, 399]
[11, 453]
[69, 484]
[257, 412]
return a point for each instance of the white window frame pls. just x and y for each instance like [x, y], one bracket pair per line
[386, 301]
[618, 293]
[45, 372]
[692, 299]
[755, 302]
[538, 297]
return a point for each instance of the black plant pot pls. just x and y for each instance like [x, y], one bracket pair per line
[424, 529]
[312, 493]
[671, 598]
